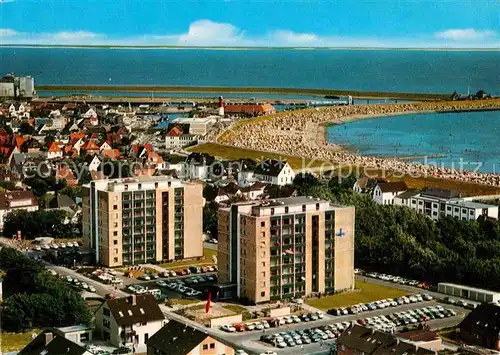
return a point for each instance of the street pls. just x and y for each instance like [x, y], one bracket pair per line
[249, 341]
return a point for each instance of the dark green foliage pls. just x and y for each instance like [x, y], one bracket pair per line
[26, 128]
[37, 224]
[210, 212]
[400, 241]
[303, 182]
[41, 185]
[72, 191]
[34, 298]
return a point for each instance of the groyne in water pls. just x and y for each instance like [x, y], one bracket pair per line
[296, 133]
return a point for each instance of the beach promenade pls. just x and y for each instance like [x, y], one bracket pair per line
[302, 133]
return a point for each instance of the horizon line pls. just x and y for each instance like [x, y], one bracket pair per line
[111, 46]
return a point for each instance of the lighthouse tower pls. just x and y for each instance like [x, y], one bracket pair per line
[221, 106]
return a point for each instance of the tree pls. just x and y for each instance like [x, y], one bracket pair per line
[38, 223]
[34, 298]
[210, 213]
[26, 128]
[210, 192]
[49, 138]
[73, 191]
[303, 182]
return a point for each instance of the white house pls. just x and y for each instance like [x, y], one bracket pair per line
[54, 151]
[20, 111]
[179, 338]
[253, 191]
[197, 171]
[385, 192]
[129, 321]
[90, 113]
[245, 178]
[93, 162]
[275, 172]
[197, 166]
[435, 203]
[104, 146]
[365, 185]
[50, 342]
[176, 139]
[180, 167]
[78, 144]
[16, 200]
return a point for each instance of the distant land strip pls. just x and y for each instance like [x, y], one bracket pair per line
[68, 46]
[249, 90]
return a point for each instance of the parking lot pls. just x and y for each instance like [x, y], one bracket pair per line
[191, 287]
[427, 312]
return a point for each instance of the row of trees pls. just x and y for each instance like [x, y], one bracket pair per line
[399, 240]
[51, 223]
[35, 299]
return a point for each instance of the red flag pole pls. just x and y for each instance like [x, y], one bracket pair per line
[209, 298]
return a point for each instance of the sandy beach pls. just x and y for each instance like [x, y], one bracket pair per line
[302, 133]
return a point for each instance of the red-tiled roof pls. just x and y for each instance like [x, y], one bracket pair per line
[155, 158]
[250, 108]
[76, 136]
[19, 140]
[111, 153]
[7, 197]
[90, 145]
[174, 132]
[65, 173]
[54, 148]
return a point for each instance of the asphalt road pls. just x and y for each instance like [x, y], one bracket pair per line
[410, 289]
[249, 340]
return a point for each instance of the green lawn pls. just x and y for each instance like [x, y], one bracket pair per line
[183, 301]
[206, 260]
[235, 308]
[234, 153]
[13, 341]
[368, 293]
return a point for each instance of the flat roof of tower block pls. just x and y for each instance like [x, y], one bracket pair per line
[287, 201]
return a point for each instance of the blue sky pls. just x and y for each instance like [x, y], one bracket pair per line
[379, 23]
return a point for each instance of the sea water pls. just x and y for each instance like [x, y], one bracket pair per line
[367, 70]
[467, 140]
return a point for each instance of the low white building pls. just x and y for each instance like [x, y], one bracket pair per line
[437, 202]
[129, 321]
[93, 162]
[275, 172]
[198, 125]
[176, 139]
[16, 200]
[198, 166]
[385, 192]
[365, 185]
[245, 178]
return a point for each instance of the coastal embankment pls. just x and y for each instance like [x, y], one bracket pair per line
[302, 133]
[245, 90]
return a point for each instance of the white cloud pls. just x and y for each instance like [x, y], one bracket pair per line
[210, 33]
[77, 36]
[465, 34]
[5, 1]
[7, 32]
[294, 38]
[206, 32]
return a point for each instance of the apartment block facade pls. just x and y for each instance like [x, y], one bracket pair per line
[286, 248]
[142, 219]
